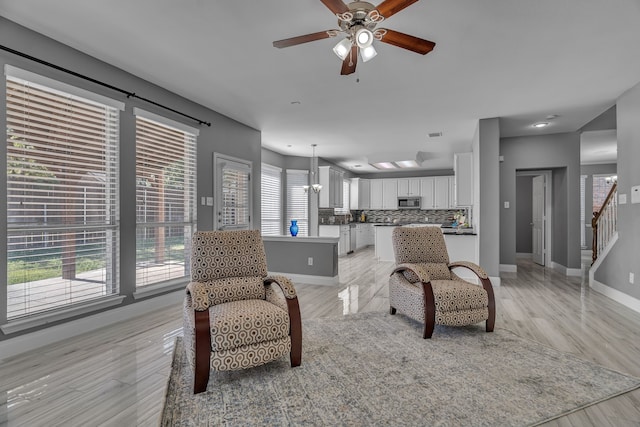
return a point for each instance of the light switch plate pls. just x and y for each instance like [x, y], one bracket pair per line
[209, 201]
[635, 194]
[506, 205]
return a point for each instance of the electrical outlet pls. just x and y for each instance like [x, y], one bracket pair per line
[310, 261]
[631, 278]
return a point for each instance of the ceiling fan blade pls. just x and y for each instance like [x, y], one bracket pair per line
[301, 39]
[350, 62]
[336, 6]
[390, 7]
[408, 42]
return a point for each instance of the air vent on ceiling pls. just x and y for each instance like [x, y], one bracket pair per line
[435, 134]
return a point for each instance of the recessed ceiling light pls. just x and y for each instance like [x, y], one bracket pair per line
[407, 164]
[357, 166]
[295, 102]
[383, 165]
[289, 145]
[540, 124]
[551, 117]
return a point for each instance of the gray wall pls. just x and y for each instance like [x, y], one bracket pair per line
[624, 258]
[590, 171]
[524, 214]
[224, 136]
[561, 154]
[486, 147]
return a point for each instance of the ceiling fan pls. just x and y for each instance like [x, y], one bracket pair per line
[358, 21]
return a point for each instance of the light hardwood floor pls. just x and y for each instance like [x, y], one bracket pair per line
[116, 376]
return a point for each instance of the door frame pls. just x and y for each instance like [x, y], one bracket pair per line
[548, 208]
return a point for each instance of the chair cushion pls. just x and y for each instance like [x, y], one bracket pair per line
[220, 254]
[436, 271]
[241, 323]
[455, 295]
[419, 244]
[235, 289]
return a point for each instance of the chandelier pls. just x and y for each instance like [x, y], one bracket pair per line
[314, 167]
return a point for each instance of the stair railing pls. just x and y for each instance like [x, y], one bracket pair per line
[605, 222]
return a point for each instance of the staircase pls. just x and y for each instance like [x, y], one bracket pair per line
[605, 223]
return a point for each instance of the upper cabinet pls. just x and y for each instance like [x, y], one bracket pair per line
[360, 194]
[442, 192]
[463, 186]
[436, 192]
[331, 180]
[376, 194]
[408, 187]
[390, 193]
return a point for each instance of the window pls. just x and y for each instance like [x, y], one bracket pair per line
[601, 186]
[233, 193]
[344, 210]
[62, 195]
[165, 198]
[298, 200]
[271, 200]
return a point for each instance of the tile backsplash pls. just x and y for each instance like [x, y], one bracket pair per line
[434, 216]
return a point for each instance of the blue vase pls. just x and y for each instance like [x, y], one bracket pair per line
[294, 227]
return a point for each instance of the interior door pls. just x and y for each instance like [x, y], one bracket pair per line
[538, 223]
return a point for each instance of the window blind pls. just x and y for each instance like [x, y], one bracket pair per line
[62, 198]
[271, 200]
[298, 200]
[165, 201]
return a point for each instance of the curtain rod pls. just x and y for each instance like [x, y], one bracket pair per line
[98, 82]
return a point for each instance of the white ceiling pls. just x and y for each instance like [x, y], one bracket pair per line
[519, 60]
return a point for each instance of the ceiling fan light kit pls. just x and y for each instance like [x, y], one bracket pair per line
[358, 21]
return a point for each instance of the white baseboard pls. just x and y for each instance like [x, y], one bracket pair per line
[31, 341]
[509, 268]
[495, 281]
[527, 255]
[309, 279]
[616, 295]
[566, 271]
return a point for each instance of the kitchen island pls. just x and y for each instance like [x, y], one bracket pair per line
[312, 260]
[461, 247]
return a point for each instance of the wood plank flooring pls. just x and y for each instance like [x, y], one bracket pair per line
[116, 376]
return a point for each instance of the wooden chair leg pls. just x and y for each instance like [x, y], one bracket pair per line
[429, 310]
[203, 352]
[491, 320]
[392, 310]
[295, 328]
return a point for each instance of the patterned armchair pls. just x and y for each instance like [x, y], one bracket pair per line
[234, 316]
[424, 287]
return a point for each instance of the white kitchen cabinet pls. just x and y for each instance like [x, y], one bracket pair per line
[442, 192]
[331, 180]
[360, 194]
[340, 231]
[364, 235]
[427, 186]
[408, 187]
[376, 194]
[463, 179]
[390, 193]
[344, 244]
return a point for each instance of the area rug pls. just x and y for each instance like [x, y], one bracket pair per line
[374, 369]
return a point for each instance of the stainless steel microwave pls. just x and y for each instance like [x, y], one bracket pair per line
[408, 202]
